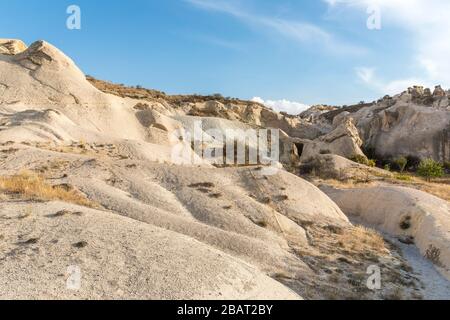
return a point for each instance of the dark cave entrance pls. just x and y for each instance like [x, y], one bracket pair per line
[300, 147]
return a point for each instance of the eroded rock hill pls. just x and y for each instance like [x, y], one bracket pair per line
[87, 180]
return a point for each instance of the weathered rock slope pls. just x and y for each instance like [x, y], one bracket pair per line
[155, 228]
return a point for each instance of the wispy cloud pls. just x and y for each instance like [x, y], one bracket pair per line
[297, 31]
[427, 28]
[391, 87]
[283, 105]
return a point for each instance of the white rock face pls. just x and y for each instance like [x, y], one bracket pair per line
[344, 141]
[405, 126]
[402, 212]
[159, 229]
[331, 166]
[122, 259]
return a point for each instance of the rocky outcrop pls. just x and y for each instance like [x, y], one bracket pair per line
[439, 92]
[405, 130]
[240, 221]
[413, 215]
[12, 46]
[409, 124]
[156, 228]
[315, 112]
[331, 166]
[344, 141]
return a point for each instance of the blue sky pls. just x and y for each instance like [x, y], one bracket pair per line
[287, 52]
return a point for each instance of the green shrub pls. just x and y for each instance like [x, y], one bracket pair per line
[387, 167]
[401, 162]
[372, 163]
[364, 160]
[360, 159]
[428, 168]
[403, 177]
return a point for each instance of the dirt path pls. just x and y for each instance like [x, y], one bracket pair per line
[436, 286]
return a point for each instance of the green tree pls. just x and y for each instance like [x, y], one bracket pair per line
[401, 162]
[428, 168]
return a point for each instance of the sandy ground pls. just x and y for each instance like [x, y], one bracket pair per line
[436, 287]
[432, 285]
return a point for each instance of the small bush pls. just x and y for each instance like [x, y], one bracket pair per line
[364, 160]
[434, 255]
[360, 159]
[403, 177]
[428, 168]
[401, 162]
[387, 167]
[371, 163]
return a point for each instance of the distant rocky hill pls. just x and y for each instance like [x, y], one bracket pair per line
[139, 92]
[414, 123]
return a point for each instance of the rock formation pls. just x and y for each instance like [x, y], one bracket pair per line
[409, 124]
[149, 216]
[415, 216]
[344, 141]
[88, 182]
[11, 46]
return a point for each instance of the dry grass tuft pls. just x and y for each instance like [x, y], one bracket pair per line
[361, 238]
[34, 187]
[439, 187]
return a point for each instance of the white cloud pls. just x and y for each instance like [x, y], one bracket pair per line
[427, 26]
[393, 87]
[297, 31]
[283, 105]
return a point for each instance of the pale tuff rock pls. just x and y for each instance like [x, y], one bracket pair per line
[410, 124]
[416, 92]
[403, 130]
[331, 166]
[424, 96]
[340, 118]
[439, 92]
[42, 76]
[12, 46]
[162, 230]
[255, 115]
[122, 259]
[344, 141]
[315, 111]
[124, 162]
[408, 213]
